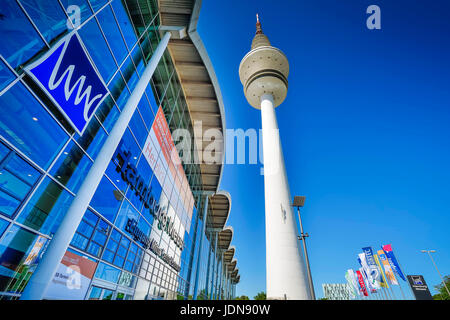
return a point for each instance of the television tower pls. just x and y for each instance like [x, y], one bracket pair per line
[263, 73]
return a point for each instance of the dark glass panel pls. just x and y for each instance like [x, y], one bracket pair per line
[43, 137]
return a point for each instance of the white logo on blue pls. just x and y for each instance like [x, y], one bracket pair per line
[67, 76]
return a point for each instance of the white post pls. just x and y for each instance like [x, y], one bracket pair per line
[46, 269]
[285, 266]
[199, 256]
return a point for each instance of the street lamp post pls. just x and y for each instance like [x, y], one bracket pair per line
[299, 201]
[432, 260]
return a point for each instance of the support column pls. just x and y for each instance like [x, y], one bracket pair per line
[286, 275]
[57, 247]
[214, 267]
[197, 271]
[216, 279]
[207, 273]
[191, 258]
[221, 277]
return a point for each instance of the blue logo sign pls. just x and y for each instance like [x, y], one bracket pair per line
[67, 76]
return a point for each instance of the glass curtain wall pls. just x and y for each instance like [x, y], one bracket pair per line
[43, 166]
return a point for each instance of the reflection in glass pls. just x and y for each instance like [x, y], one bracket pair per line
[107, 272]
[112, 33]
[20, 252]
[107, 199]
[96, 292]
[124, 22]
[46, 208]
[19, 110]
[6, 76]
[98, 50]
[20, 41]
[71, 167]
[17, 178]
[47, 16]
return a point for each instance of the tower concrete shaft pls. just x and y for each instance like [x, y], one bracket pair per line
[263, 73]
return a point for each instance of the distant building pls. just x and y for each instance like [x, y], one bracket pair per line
[336, 291]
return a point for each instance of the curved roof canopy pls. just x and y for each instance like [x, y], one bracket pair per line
[199, 82]
[224, 238]
[229, 254]
[219, 209]
[231, 267]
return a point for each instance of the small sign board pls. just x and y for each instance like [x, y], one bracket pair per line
[419, 287]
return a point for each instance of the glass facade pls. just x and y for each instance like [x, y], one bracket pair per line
[43, 160]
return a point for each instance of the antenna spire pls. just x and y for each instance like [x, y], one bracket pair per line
[258, 25]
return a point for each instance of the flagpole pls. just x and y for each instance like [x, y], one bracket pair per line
[386, 292]
[401, 290]
[401, 269]
[393, 295]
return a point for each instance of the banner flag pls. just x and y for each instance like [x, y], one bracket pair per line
[354, 278]
[393, 261]
[361, 282]
[373, 271]
[353, 291]
[383, 282]
[366, 272]
[387, 267]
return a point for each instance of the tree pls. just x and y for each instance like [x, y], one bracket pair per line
[443, 294]
[260, 296]
[242, 298]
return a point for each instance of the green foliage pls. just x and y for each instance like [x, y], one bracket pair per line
[260, 296]
[323, 299]
[202, 295]
[443, 294]
[242, 298]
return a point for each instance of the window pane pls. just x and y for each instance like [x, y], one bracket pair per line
[46, 208]
[138, 128]
[6, 76]
[124, 23]
[107, 294]
[99, 237]
[146, 112]
[107, 272]
[108, 113]
[138, 59]
[79, 241]
[3, 225]
[108, 256]
[94, 249]
[95, 293]
[97, 4]
[22, 169]
[48, 16]
[112, 34]
[10, 184]
[118, 261]
[19, 254]
[82, 4]
[92, 138]
[129, 74]
[8, 204]
[107, 199]
[126, 212]
[98, 50]
[20, 41]
[119, 90]
[25, 123]
[71, 167]
[85, 229]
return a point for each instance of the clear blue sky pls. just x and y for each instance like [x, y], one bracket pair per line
[365, 129]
